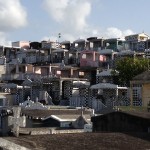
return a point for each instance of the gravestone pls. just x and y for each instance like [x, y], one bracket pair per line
[80, 121]
[16, 121]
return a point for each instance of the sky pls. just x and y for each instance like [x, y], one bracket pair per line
[37, 20]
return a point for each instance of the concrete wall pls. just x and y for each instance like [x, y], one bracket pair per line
[2, 70]
[120, 122]
[53, 131]
[37, 70]
[23, 44]
[29, 69]
[36, 123]
[11, 99]
[4, 126]
[145, 94]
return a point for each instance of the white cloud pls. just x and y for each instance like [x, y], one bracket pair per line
[56, 8]
[113, 32]
[72, 16]
[51, 38]
[70, 37]
[12, 15]
[128, 32]
[3, 39]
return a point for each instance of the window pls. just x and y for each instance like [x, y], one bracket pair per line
[136, 94]
[81, 73]
[141, 38]
[84, 56]
[58, 72]
[1, 102]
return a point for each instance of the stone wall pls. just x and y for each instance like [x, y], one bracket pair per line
[67, 131]
[42, 131]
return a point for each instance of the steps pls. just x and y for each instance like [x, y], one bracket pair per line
[43, 95]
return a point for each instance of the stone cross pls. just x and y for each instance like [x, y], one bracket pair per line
[28, 98]
[16, 121]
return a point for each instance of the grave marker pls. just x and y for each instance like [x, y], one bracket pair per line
[16, 121]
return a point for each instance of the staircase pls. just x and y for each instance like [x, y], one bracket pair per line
[43, 95]
[76, 101]
[97, 105]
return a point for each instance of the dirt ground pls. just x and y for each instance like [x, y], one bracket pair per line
[85, 141]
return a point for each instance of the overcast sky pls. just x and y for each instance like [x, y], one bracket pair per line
[36, 20]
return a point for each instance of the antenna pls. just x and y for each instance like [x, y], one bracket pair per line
[59, 36]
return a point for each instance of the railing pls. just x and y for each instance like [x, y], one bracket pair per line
[36, 59]
[32, 76]
[12, 76]
[105, 64]
[72, 60]
[57, 60]
[89, 63]
[122, 102]
[97, 105]
[31, 59]
[19, 76]
[44, 58]
[76, 101]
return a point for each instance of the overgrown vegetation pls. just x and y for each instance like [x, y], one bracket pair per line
[129, 68]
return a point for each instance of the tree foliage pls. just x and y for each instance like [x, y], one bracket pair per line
[129, 68]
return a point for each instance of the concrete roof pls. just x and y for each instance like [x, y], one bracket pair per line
[107, 72]
[106, 86]
[145, 76]
[106, 51]
[57, 112]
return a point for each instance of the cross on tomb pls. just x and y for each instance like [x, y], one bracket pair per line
[28, 98]
[16, 121]
[37, 99]
[82, 110]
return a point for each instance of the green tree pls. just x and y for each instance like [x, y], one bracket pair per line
[129, 68]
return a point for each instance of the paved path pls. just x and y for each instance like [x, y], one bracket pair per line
[10, 145]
